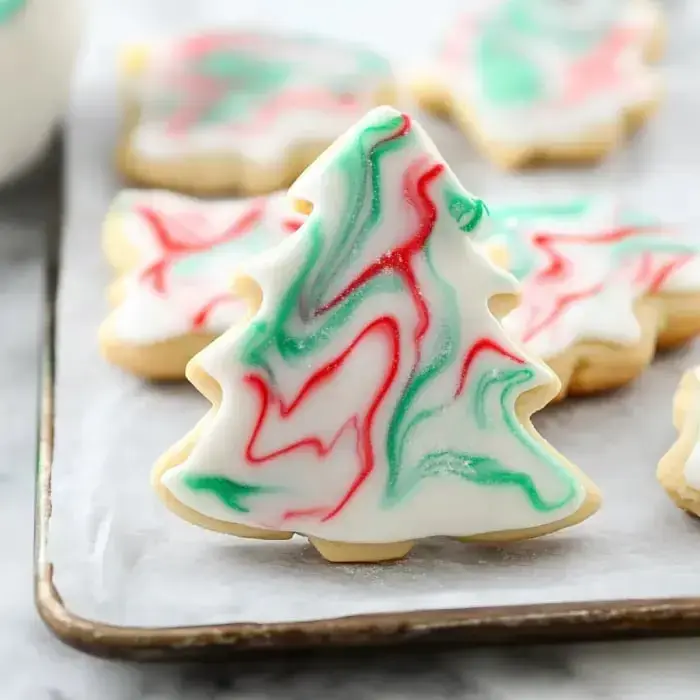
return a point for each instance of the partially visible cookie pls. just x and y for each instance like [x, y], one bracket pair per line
[602, 288]
[240, 111]
[679, 469]
[547, 80]
[175, 258]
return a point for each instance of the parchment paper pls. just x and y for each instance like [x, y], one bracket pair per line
[120, 557]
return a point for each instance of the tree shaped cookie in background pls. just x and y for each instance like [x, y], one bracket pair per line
[547, 80]
[679, 468]
[175, 257]
[241, 111]
[373, 398]
[602, 288]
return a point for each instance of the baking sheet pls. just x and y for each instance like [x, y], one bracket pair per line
[119, 557]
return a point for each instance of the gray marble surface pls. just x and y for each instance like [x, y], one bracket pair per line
[34, 666]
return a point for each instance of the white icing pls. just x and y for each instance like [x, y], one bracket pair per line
[444, 504]
[38, 45]
[554, 121]
[148, 314]
[319, 68]
[607, 314]
[685, 279]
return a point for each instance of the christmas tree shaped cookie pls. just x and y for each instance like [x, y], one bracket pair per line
[241, 111]
[602, 288]
[175, 257]
[373, 398]
[679, 468]
[547, 80]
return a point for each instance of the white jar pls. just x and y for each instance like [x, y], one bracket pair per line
[38, 44]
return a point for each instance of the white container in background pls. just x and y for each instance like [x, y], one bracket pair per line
[38, 43]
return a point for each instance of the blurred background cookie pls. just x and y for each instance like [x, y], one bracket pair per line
[544, 80]
[241, 111]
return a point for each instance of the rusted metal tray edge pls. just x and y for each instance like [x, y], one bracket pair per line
[492, 625]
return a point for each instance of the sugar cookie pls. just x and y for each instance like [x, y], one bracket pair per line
[241, 111]
[175, 258]
[373, 398]
[546, 80]
[679, 468]
[601, 288]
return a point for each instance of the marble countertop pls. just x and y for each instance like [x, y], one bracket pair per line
[34, 666]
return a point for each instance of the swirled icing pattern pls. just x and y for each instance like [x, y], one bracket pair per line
[373, 396]
[543, 70]
[582, 265]
[253, 93]
[187, 252]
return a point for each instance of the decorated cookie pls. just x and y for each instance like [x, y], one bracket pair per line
[373, 398]
[679, 468]
[601, 288]
[176, 258]
[547, 80]
[241, 111]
